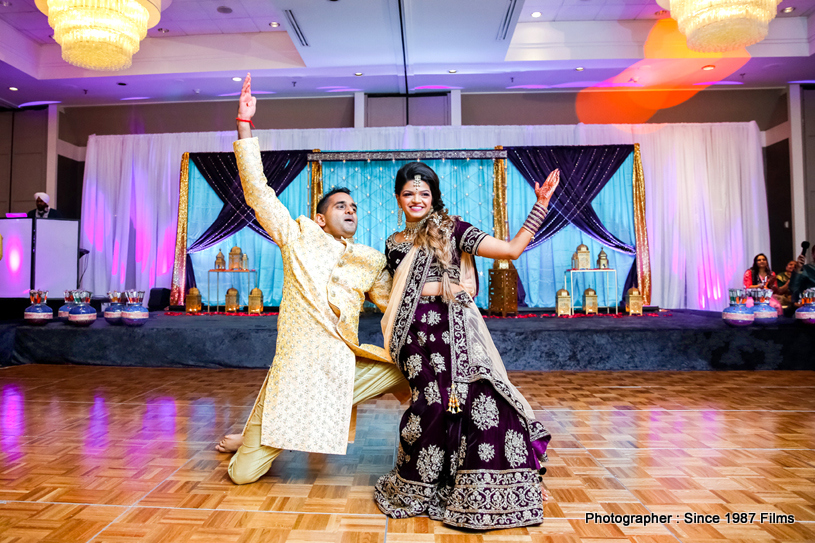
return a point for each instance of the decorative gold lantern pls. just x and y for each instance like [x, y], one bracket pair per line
[589, 301]
[256, 301]
[602, 260]
[564, 302]
[232, 300]
[192, 303]
[583, 257]
[220, 261]
[633, 301]
[245, 262]
[235, 258]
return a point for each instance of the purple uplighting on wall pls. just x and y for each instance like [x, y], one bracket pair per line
[135, 98]
[436, 87]
[720, 83]
[345, 90]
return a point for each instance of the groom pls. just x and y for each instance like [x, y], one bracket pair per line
[319, 369]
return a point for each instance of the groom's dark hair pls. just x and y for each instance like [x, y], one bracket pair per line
[323, 203]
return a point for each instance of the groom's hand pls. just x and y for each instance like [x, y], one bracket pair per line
[246, 109]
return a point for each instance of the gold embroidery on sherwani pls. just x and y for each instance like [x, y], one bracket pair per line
[309, 389]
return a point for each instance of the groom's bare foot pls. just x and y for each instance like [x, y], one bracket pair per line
[230, 443]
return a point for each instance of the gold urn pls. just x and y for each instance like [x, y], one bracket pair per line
[564, 303]
[235, 258]
[589, 301]
[574, 260]
[602, 260]
[220, 261]
[192, 303]
[256, 301]
[583, 257]
[232, 300]
[633, 301]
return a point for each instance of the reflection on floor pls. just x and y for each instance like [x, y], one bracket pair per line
[126, 454]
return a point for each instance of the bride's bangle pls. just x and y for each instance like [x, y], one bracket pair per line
[535, 219]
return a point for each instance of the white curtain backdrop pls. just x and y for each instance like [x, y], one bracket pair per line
[705, 195]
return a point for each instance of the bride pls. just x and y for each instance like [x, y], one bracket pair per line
[470, 448]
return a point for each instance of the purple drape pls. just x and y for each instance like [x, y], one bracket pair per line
[584, 171]
[221, 172]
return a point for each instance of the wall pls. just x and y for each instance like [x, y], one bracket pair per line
[760, 105]
[23, 140]
[77, 123]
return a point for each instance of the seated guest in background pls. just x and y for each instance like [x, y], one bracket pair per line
[803, 277]
[43, 211]
[783, 281]
[761, 276]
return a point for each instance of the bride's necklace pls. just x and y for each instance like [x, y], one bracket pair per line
[412, 228]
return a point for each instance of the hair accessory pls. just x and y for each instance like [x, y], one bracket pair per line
[417, 181]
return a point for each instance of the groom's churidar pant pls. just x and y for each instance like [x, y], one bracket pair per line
[253, 460]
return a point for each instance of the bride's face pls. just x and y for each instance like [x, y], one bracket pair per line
[416, 202]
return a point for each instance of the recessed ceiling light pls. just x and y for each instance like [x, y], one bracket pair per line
[708, 67]
[236, 79]
[274, 24]
[224, 9]
[451, 71]
[13, 88]
[789, 9]
[536, 14]
[358, 74]
[163, 30]
[579, 69]
[122, 84]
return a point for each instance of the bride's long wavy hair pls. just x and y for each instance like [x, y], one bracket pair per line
[434, 236]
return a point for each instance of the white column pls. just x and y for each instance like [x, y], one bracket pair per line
[51, 154]
[359, 110]
[455, 107]
[799, 223]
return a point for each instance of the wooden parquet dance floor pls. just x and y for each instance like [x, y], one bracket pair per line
[119, 455]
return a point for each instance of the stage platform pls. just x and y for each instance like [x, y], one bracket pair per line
[676, 340]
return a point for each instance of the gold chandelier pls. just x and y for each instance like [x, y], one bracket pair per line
[100, 34]
[722, 25]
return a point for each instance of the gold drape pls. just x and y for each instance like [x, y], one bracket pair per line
[499, 204]
[640, 231]
[178, 293]
[315, 185]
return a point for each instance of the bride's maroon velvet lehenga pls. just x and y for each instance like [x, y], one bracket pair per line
[477, 468]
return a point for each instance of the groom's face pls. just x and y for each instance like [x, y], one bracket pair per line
[340, 216]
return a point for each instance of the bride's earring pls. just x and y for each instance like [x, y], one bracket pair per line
[399, 218]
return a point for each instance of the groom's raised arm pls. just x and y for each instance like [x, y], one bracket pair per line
[270, 212]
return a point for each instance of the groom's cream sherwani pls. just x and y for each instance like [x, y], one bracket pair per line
[310, 385]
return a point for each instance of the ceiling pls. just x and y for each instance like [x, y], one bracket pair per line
[493, 45]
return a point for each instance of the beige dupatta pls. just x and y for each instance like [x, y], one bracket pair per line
[479, 340]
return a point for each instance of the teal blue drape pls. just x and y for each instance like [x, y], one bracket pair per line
[466, 187]
[203, 205]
